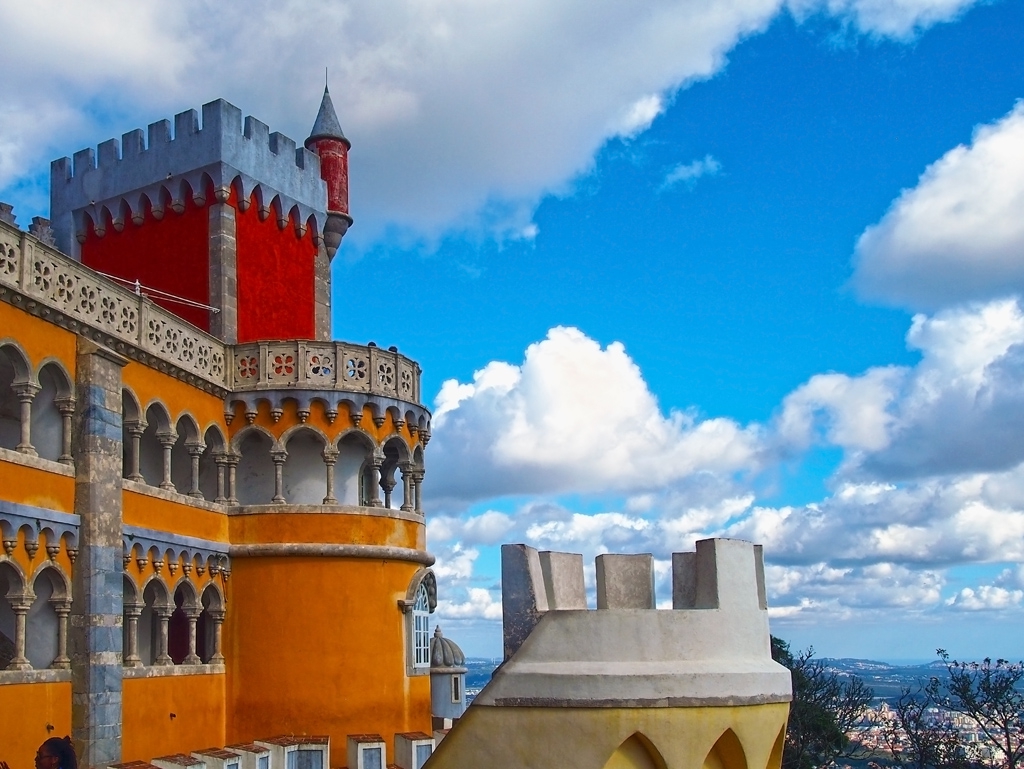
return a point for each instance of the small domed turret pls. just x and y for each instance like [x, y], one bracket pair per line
[444, 652]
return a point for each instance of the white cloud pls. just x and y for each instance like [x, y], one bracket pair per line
[899, 19]
[574, 416]
[451, 106]
[959, 233]
[689, 173]
[489, 528]
[985, 598]
[479, 604]
[960, 409]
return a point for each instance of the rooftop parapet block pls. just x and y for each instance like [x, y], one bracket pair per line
[712, 649]
[224, 151]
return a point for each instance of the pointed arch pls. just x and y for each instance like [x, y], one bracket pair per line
[636, 752]
[727, 753]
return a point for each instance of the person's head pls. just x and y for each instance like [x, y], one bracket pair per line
[56, 753]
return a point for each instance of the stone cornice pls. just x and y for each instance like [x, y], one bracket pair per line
[325, 550]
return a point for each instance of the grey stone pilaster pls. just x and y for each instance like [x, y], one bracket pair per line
[223, 273]
[95, 637]
[322, 295]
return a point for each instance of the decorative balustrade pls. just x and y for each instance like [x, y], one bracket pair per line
[325, 366]
[51, 284]
[75, 296]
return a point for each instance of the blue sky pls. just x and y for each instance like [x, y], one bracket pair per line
[675, 271]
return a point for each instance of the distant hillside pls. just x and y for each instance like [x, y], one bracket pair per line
[885, 678]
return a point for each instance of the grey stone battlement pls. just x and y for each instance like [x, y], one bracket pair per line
[118, 178]
[723, 574]
[711, 649]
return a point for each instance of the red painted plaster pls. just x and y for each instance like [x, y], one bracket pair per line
[334, 170]
[275, 279]
[171, 255]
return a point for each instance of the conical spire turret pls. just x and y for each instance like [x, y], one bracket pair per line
[330, 144]
[326, 125]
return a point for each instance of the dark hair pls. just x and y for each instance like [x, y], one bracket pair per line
[62, 748]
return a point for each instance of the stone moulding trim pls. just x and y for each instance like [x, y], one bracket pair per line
[146, 539]
[8, 677]
[164, 671]
[38, 463]
[326, 550]
[287, 509]
[171, 496]
[661, 702]
[16, 516]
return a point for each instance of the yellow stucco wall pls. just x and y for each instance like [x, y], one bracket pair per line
[593, 738]
[197, 703]
[155, 513]
[38, 338]
[150, 385]
[321, 527]
[27, 710]
[344, 673]
[40, 488]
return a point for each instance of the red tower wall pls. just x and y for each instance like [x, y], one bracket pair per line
[334, 170]
[275, 278]
[171, 255]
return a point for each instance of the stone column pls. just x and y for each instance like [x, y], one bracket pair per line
[66, 407]
[279, 457]
[167, 441]
[131, 655]
[195, 452]
[136, 428]
[223, 270]
[163, 613]
[232, 463]
[375, 463]
[26, 392]
[221, 460]
[330, 455]
[20, 607]
[407, 504]
[63, 608]
[417, 491]
[388, 483]
[193, 617]
[217, 616]
[96, 611]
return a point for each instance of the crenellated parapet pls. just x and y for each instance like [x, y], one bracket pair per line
[158, 170]
[712, 648]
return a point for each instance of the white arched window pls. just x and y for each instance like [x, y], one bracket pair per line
[421, 629]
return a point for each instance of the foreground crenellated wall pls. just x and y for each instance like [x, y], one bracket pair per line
[628, 685]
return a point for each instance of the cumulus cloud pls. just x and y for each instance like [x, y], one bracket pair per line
[985, 598]
[960, 409]
[957, 235]
[451, 107]
[572, 417]
[689, 173]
